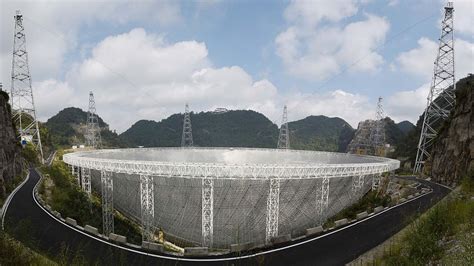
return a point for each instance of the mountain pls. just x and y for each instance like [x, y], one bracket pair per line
[229, 129]
[320, 133]
[68, 126]
[241, 128]
[405, 126]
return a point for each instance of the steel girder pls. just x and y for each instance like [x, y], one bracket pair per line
[107, 187]
[227, 171]
[273, 208]
[147, 200]
[86, 180]
[207, 211]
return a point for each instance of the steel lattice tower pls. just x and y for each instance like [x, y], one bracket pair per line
[378, 131]
[92, 135]
[21, 95]
[284, 137]
[441, 98]
[187, 138]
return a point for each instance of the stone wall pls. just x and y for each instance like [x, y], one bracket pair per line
[10, 151]
[453, 151]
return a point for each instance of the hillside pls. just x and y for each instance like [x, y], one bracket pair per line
[453, 150]
[68, 126]
[231, 129]
[320, 133]
[405, 127]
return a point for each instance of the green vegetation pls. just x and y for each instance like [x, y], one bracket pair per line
[320, 133]
[444, 235]
[67, 128]
[65, 196]
[367, 203]
[13, 252]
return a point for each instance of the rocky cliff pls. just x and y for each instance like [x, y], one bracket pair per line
[10, 151]
[453, 150]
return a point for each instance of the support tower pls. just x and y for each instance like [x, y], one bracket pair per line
[284, 137]
[92, 135]
[21, 95]
[187, 138]
[378, 130]
[441, 98]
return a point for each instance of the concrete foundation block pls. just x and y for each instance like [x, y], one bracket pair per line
[117, 238]
[362, 215]
[241, 247]
[341, 222]
[71, 221]
[196, 251]
[281, 239]
[91, 229]
[402, 200]
[57, 214]
[314, 230]
[378, 209]
[152, 246]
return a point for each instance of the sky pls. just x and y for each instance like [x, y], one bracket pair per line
[146, 59]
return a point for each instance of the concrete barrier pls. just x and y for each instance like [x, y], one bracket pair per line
[152, 246]
[314, 230]
[341, 222]
[402, 200]
[57, 214]
[362, 215]
[410, 196]
[241, 247]
[417, 194]
[71, 221]
[281, 239]
[91, 229]
[378, 209]
[196, 251]
[118, 238]
[48, 207]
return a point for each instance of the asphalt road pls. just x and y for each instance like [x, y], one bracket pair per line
[26, 221]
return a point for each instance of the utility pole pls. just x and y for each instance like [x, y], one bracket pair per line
[21, 95]
[187, 137]
[284, 137]
[92, 135]
[441, 98]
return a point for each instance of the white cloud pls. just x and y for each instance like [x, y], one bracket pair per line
[419, 61]
[407, 105]
[314, 47]
[464, 17]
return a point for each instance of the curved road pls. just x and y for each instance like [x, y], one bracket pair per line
[28, 222]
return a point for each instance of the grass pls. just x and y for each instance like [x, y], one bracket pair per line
[432, 238]
[12, 252]
[67, 198]
[367, 203]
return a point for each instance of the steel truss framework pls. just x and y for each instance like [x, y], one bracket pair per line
[107, 187]
[207, 211]
[147, 200]
[373, 165]
[284, 137]
[357, 184]
[187, 137]
[92, 135]
[21, 94]
[441, 98]
[86, 180]
[273, 209]
[375, 182]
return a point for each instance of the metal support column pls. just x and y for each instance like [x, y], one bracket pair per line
[273, 208]
[107, 187]
[86, 180]
[324, 195]
[207, 211]
[147, 206]
[375, 182]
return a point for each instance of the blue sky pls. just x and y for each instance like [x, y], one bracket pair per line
[145, 59]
